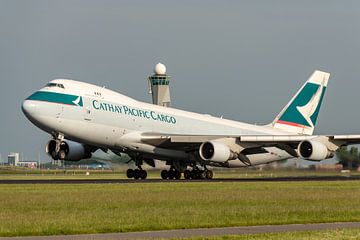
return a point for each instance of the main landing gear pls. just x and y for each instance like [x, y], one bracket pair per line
[171, 174]
[188, 174]
[198, 174]
[136, 173]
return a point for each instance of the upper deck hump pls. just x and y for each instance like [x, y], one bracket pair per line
[88, 89]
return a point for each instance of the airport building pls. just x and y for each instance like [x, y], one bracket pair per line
[13, 159]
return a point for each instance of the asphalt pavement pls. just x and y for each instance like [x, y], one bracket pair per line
[198, 232]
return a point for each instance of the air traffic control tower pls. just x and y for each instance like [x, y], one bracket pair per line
[159, 86]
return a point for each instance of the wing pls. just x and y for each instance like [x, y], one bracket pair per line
[252, 144]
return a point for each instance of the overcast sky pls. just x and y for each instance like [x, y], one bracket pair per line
[240, 59]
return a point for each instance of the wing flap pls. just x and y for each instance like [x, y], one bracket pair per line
[195, 138]
[275, 138]
[346, 139]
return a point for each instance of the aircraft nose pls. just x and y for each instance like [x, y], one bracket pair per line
[28, 107]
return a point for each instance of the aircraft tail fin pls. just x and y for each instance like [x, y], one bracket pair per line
[300, 114]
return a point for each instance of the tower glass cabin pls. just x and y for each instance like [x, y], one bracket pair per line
[159, 88]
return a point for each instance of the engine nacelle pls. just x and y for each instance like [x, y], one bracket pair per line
[313, 150]
[216, 152]
[69, 150]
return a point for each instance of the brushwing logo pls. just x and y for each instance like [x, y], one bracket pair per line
[309, 109]
[78, 101]
[304, 109]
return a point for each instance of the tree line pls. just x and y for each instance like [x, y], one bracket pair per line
[349, 158]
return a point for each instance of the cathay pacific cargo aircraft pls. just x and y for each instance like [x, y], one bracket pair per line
[83, 118]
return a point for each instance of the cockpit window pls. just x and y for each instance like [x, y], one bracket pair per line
[51, 84]
[55, 85]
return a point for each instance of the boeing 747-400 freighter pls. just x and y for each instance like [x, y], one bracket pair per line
[83, 118]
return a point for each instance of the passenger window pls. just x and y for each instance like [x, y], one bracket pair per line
[98, 94]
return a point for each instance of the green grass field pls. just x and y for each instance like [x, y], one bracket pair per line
[336, 234]
[99, 208]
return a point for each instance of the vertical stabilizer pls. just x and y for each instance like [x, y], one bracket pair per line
[300, 114]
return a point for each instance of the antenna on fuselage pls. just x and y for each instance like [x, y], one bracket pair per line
[159, 86]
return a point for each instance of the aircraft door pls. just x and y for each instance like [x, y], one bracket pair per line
[88, 114]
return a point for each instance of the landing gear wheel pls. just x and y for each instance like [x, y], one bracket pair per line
[164, 174]
[209, 174]
[187, 174]
[177, 174]
[130, 173]
[193, 174]
[143, 174]
[171, 174]
[202, 175]
[196, 174]
[136, 174]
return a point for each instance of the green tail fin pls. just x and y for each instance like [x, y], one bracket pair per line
[300, 114]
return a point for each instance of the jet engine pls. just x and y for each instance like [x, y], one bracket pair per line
[68, 150]
[216, 152]
[313, 150]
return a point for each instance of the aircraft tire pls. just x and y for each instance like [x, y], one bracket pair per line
[209, 174]
[196, 174]
[143, 174]
[187, 174]
[171, 174]
[164, 174]
[130, 173]
[193, 174]
[136, 174]
[202, 175]
[177, 175]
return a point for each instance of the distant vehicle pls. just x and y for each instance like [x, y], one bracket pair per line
[83, 118]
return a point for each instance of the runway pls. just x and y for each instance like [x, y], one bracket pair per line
[198, 232]
[119, 181]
